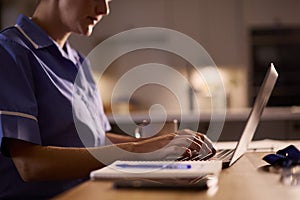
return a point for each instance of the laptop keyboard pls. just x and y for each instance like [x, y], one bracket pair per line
[223, 154]
[195, 156]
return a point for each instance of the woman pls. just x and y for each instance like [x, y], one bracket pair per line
[43, 153]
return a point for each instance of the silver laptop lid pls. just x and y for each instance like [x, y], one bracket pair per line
[256, 112]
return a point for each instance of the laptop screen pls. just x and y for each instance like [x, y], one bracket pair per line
[256, 112]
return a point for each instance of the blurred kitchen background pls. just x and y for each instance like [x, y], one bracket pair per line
[241, 36]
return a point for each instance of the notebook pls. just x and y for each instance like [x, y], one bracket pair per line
[229, 156]
[158, 170]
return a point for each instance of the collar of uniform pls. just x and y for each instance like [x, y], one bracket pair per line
[72, 54]
[69, 53]
[37, 36]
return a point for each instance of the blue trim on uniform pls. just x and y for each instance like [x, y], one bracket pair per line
[38, 35]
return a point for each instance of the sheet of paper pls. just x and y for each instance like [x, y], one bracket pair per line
[266, 145]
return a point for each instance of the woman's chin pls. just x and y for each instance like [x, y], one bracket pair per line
[86, 31]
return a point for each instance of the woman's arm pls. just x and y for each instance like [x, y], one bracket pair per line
[113, 138]
[39, 163]
[42, 163]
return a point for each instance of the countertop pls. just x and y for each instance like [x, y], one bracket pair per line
[240, 114]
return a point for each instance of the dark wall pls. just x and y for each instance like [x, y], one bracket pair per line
[0, 14]
[280, 45]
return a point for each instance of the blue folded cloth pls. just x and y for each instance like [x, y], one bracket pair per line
[286, 157]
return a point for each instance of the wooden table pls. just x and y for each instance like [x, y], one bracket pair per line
[245, 180]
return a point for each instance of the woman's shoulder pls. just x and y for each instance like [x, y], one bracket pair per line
[13, 41]
[11, 37]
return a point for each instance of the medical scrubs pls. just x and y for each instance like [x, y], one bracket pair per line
[47, 97]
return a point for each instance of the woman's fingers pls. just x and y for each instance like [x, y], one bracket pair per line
[201, 143]
[185, 143]
[174, 152]
[208, 142]
[192, 143]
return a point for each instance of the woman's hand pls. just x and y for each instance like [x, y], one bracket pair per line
[207, 149]
[183, 143]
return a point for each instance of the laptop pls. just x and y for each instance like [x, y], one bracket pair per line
[230, 156]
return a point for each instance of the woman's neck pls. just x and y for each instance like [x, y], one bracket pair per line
[47, 19]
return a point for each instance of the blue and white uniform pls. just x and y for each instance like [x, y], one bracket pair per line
[47, 97]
